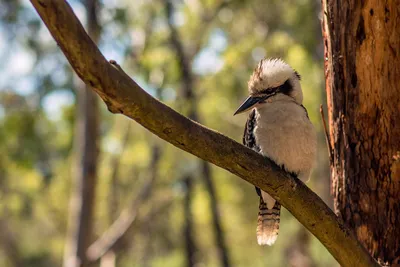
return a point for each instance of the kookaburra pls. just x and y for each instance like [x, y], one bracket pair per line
[278, 127]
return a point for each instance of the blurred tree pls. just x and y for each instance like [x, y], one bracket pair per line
[189, 102]
[362, 42]
[9, 244]
[82, 203]
[224, 40]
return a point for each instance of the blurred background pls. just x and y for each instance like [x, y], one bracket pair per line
[69, 169]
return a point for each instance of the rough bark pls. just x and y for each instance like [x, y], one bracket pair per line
[362, 46]
[122, 95]
[85, 176]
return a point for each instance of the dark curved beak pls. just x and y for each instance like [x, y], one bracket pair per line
[248, 104]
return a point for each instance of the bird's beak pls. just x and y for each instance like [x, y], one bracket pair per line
[248, 104]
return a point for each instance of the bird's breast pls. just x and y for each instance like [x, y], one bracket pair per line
[285, 134]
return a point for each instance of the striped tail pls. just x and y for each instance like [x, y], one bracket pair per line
[268, 223]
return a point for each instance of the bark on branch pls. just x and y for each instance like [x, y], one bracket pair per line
[122, 95]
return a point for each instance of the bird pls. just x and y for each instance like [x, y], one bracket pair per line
[278, 127]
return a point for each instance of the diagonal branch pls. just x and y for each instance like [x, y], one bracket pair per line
[122, 95]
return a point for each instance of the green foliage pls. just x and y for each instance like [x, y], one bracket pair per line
[36, 136]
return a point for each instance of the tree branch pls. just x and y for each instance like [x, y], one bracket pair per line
[122, 95]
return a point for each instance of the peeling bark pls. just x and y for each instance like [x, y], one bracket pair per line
[362, 46]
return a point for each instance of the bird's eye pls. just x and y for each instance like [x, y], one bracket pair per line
[267, 91]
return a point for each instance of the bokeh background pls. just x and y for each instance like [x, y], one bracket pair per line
[222, 43]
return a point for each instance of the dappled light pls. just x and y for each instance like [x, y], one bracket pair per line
[83, 187]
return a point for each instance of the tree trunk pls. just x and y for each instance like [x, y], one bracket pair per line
[85, 177]
[217, 224]
[9, 243]
[110, 258]
[190, 245]
[298, 253]
[115, 238]
[362, 46]
[190, 106]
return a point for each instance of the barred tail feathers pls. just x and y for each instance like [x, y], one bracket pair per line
[268, 222]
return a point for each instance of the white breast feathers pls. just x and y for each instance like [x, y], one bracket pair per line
[285, 135]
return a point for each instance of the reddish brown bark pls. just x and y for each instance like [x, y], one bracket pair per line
[362, 46]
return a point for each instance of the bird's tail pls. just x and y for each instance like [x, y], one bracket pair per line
[268, 223]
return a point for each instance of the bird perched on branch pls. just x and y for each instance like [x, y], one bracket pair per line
[278, 127]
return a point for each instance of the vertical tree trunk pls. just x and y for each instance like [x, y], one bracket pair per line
[190, 245]
[84, 183]
[298, 252]
[9, 243]
[218, 231]
[362, 53]
[85, 177]
[190, 106]
[110, 258]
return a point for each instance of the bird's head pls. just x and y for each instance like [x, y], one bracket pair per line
[271, 79]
